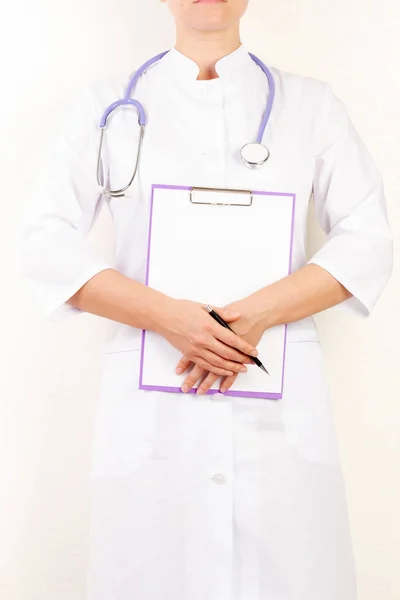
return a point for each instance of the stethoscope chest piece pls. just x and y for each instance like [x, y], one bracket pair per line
[254, 155]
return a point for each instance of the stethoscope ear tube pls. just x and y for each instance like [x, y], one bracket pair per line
[123, 192]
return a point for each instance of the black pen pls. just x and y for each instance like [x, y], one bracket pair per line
[215, 316]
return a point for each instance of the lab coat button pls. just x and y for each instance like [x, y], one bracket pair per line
[219, 479]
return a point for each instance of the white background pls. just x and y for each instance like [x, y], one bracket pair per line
[49, 373]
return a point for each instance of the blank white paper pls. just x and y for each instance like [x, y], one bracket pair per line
[216, 255]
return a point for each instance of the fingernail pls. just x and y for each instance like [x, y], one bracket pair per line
[200, 392]
[254, 353]
[243, 370]
[222, 390]
[185, 388]
[229, 373]
[179, 370]
[234, 314]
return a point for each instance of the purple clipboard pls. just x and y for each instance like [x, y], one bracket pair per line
[239, 393]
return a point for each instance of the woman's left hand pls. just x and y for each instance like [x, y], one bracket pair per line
[249, 327]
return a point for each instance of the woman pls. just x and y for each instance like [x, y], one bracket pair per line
[242, 498]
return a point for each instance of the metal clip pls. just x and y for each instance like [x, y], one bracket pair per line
[222, 192]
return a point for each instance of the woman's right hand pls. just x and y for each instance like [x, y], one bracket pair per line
[190, 329]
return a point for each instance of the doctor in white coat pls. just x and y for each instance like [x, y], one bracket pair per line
[199, 497]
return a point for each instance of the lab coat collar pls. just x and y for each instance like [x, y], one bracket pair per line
[233, 67]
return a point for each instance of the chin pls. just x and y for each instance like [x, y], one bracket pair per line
[211, 17]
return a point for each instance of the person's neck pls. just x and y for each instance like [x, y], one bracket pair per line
[207, 49]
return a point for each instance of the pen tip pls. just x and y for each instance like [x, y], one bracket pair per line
[264, 369]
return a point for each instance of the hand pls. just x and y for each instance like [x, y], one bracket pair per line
[190, 329]
[248, 326]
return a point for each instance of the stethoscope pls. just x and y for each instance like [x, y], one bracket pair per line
[254, 154]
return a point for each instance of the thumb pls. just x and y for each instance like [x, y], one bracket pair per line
[226, 314]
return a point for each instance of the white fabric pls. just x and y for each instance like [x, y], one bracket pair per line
[232, 499]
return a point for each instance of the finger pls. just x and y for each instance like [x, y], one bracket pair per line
[217, 361]
[226, 314]
[183, 365]
[195, 374]
[207, 384]
[204, 364]
[234, 341]
[227, 383]
[227, 352]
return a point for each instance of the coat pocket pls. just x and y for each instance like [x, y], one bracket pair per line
[306, 406]
[123, 436]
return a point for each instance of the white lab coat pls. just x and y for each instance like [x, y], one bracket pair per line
[213, 498]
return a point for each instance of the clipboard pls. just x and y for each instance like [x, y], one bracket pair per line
[189, 228]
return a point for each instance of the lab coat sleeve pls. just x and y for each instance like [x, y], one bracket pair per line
[350, 207]
[55, 256]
